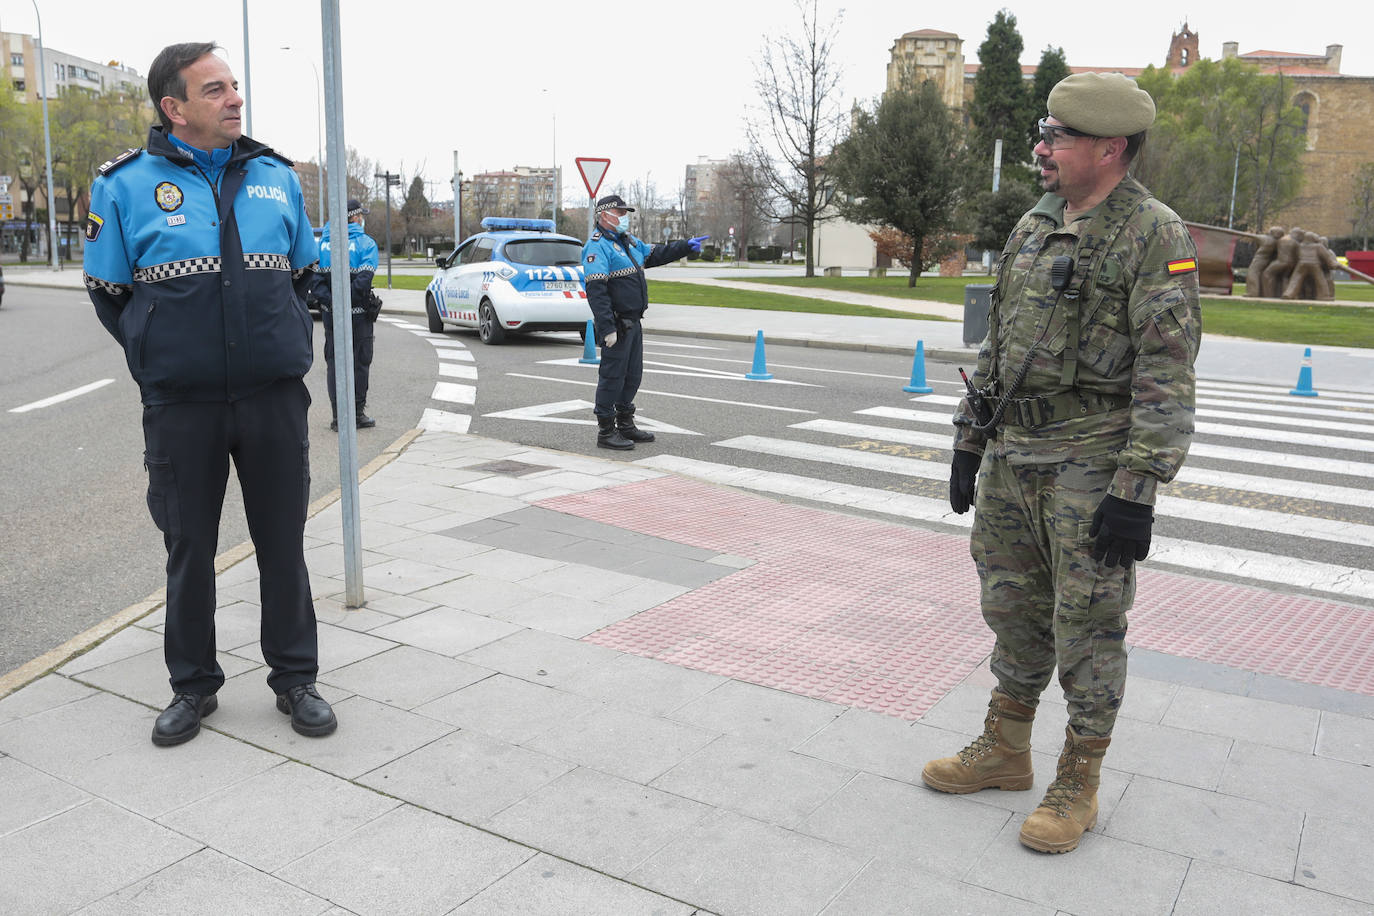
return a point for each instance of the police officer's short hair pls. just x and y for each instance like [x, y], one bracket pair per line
[164, 76]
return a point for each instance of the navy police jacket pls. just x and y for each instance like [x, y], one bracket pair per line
[202, 283]
[362, 267]
[614, 266]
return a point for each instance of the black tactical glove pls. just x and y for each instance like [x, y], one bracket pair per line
[963, 473]
[1122, 530]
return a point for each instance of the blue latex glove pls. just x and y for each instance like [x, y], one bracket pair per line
[695, 243]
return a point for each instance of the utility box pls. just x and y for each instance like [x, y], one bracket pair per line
[977, 304]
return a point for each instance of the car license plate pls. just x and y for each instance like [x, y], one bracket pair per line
[560, 284]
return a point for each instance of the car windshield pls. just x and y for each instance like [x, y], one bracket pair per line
[544, 252]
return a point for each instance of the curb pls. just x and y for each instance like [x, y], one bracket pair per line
[87, 640]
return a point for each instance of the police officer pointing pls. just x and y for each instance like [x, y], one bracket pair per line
[1082, 405]
[197, 258]
[362, 267]
[618, 293]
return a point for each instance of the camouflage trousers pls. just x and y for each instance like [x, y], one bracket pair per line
[1044, 596]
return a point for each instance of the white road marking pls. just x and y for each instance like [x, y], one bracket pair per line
[444, 421]
[454, 393]
[548, 413]
[687, 371]
[446, 342]
[64, 396]
[450, 353]
[1244, 564]
[663, 394]
[457, 370]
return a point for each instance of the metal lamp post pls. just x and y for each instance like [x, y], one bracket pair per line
[319, 134]
[390, 180]
[47, 140]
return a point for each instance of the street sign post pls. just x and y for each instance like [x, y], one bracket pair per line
[592, 170]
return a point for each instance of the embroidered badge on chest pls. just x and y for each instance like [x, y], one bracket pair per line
[168, 196]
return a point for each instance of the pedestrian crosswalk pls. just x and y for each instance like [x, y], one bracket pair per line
[1275, 492]
[455, 362]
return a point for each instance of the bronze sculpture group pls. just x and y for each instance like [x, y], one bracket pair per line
[1296, 265]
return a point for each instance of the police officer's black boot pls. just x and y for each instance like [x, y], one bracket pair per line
[625, 422]
[362, 420]
[608, 436]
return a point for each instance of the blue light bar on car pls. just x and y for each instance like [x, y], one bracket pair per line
[497, 223]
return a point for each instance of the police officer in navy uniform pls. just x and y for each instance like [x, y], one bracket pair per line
[362, 266]
[618, 293]
[197, 259]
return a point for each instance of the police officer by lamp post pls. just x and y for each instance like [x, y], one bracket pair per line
[366, 306]
[618, 293]
[197, 260]
[1083, 405]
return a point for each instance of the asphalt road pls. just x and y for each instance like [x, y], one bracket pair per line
[76, 544]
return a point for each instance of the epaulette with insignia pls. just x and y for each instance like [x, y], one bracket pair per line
[596, 236]
[127, 156]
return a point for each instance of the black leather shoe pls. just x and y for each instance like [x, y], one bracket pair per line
[310, 714]
[334, 425]
[364, 421]
[180, 722]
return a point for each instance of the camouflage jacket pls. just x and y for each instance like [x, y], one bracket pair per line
[1128, 388]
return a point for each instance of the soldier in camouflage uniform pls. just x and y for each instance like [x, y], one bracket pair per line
[1081, 406]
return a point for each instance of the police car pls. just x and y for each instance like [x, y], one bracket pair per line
[515, 277]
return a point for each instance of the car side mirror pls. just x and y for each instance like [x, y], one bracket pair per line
[439, 260]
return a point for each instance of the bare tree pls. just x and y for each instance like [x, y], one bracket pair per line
[802, 119]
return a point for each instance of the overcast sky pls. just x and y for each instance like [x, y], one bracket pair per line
[518, 83]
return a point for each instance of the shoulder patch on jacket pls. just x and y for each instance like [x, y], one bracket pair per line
[123, 158]
[591, 258]
[1181, 266]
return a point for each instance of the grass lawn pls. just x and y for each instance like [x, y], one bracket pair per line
[1308, 325]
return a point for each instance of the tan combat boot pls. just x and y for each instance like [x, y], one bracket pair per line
[999, 758]
[1070, 804]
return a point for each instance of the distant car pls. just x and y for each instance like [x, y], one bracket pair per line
[2, 284]
[516, 276]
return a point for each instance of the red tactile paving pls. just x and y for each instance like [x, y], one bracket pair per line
[885, 617]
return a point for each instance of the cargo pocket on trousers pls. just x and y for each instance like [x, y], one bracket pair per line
[163, 504]
[1078, 582]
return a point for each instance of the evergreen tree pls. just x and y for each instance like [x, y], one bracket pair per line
[1001, 106]
[899, 167]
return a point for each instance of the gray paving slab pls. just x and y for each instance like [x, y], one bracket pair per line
[127, 642]
[1172, 754]
[248, 820]
[891, 820]
[46, 693]
[1103, 875]
[405, 862]
[1208, 826]
[546, 886]
[898, 889]
[336, 613]
[744, 867]
[479, 593]
[208, 876]
[1303, 782]
[642, 684]
[82, 855]
[623, 743]
[750, 711]
[562, 615]
[432, 548]
[882, 745]
[405, 676]
[756, 779]
[1348, 738]
[325, 560]
[446, 630]
[1335, 858]
[1211, 889]
[1247, 718]
[402, 576]
[466, 775]
[1283, 690]
[68, 740]
[396, 605]
[647, 594]
[339, 646]
[600, 821]
[508, 708]
[589, 583]
[679, 571]
[28, 795]
[540, 657]
[144, 677]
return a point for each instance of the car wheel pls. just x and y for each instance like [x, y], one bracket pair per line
[436, 324]
[582, 333]
[488, 325]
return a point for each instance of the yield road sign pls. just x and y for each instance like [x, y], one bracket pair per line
[592, 171]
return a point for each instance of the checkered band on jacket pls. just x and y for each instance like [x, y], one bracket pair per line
[623, 272]
[172, 269]
[114, 289]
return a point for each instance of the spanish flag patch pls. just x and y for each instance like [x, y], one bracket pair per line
[1181, 266]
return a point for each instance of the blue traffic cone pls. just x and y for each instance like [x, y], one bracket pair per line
[1305, 389]
[589, 356]
[918, 372]
[760, 371]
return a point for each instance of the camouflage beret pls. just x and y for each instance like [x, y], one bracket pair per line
[1102, 104]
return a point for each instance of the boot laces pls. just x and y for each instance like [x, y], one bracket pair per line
[1067, 785]
[983, 743]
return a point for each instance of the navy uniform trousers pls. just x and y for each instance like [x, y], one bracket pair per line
[188, 447]
[621, 369]
[363, 337]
